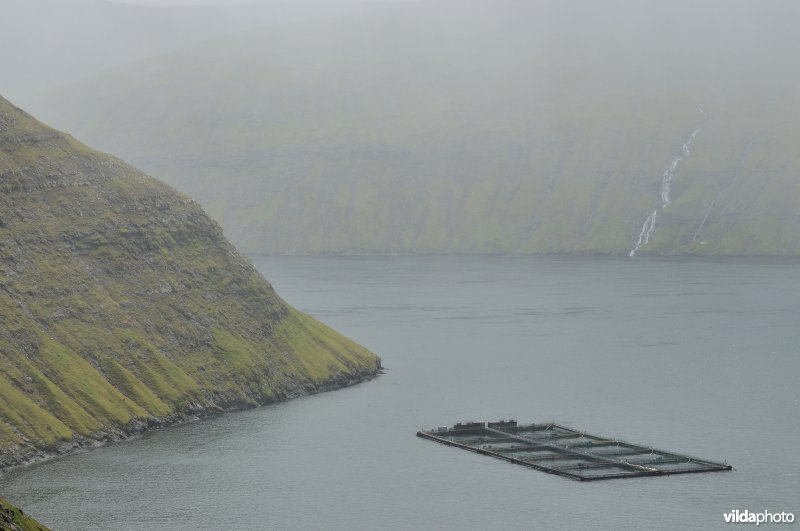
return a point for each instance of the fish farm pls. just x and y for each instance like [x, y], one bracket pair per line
[566, 452]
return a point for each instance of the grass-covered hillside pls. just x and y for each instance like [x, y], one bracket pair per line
[122, 305]
[14, 519]
[497, 126]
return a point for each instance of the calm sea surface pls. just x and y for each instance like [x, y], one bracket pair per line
[692, 356]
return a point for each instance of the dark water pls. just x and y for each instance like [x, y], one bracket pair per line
[696, 357]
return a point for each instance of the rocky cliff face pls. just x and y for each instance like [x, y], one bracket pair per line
[123, 306]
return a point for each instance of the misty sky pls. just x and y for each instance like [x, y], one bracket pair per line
[220, 2]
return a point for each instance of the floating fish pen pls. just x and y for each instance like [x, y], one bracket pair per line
[566, 452]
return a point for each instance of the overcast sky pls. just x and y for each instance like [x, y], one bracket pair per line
[229, 2]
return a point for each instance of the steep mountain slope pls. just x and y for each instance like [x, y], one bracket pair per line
[523, 127]
[123, 306]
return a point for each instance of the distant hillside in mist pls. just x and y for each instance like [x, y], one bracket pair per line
[493, 127]
[45, 43]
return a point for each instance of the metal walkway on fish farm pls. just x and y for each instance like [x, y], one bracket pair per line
[566, 452]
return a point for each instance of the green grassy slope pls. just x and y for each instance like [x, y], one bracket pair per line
[122, 305]
[507, 127]
[14, 519]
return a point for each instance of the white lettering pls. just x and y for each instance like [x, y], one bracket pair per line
[746, 517]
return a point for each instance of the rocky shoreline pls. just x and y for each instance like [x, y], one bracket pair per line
[24, 456]
[13, 518]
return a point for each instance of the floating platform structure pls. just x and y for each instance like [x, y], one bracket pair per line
[566, 452]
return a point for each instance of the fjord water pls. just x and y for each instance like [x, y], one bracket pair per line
[690, 356]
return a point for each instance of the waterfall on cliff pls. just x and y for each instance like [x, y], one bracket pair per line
[666, 185]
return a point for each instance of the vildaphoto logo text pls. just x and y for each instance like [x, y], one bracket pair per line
[764, 517]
